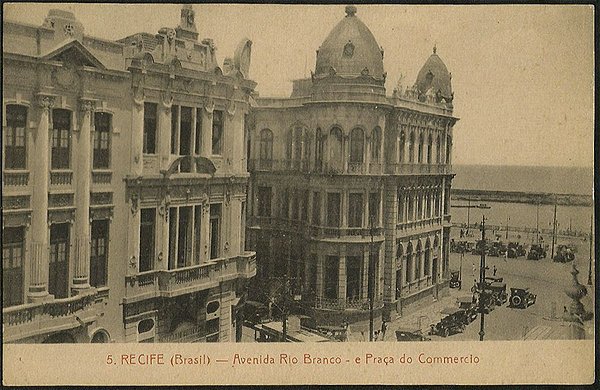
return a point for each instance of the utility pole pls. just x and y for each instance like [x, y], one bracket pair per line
[553, 232]
[285, 306]
[482, 281]
[591, 243]
[371, 284]
[468, 213]
[462, 254]
[507, 219]
[537, 223]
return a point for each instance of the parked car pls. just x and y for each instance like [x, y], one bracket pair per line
[564, 254]
[497, 292]
[515, 250]
[521, 298]
[454, 279]
[453, 321]
[536, 252]
[410, 335]
[496, 249]
[469, 305]
[490, 279]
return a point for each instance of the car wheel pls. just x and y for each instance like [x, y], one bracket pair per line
[516, 300]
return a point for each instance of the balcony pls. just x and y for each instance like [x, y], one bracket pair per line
[343, 303]
[15, 178]
[171, 283]
[61, 177]
[101, 177]
[33, 319]
[338, 232]
[417, 169]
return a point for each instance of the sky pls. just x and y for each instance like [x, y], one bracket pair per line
[522, 75]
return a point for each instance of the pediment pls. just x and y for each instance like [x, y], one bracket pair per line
[73, 52]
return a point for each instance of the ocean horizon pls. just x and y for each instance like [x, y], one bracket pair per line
[545, 179]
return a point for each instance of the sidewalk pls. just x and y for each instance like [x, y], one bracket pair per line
[420, 318]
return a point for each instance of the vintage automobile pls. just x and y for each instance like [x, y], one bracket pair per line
[497, 292]
[536, 252]
[564, 254]
[521, 298]
[490, 279]
[515, 250]
[455, 279]
[410, 335]
[481, 246]
[453, 321]
[255, 313]
[469, 305]
[496, 249]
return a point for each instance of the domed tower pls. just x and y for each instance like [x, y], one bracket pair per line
[434, 82]
[350, 59]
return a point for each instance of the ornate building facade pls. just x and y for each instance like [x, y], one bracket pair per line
[348, 183]
[124, 185]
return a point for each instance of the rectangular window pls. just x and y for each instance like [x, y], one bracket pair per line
[58, 270]
[184, 237]
[61, 139]
[353, 277]
[316, 209]
[197, 233]
[284, 203]
[374, 208]
[264, 201]
[295, 204]
[174, 123]
[333, 209]
[355, 210]
[172, 237]
[332, 271]
[102, 122]
[185, 132]
[99, 253]
[198, 144]
[150, 121]
[217, 132]
[305, 195]
[147, 229]
[15, 151]
[13, 245]
[215, 225]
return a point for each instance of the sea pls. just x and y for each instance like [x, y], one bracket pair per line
[558, 180]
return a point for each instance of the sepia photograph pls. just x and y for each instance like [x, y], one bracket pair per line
[248, 175]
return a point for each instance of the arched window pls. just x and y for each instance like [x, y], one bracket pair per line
[318, 149]
[297, 146]
[336, 161]
[427, 258]
[266, 145]
[357, 140]
[420, 156]
[306, 151]
[429, 148]
[411, 148]
[401, 143]
[437, 150]
[409, 263]
[418, 259]
[375, 144]
[448, 149]
[399, 261]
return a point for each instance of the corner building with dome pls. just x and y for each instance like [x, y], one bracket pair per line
[342, 173]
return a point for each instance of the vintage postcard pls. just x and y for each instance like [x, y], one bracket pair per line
[220, 194]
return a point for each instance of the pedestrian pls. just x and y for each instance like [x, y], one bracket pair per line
[495, 270]
[362, 335]
[345, 327]
[375, 335]
[383, 329]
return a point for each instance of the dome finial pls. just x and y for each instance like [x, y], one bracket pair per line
[350, 10]
[434, 48]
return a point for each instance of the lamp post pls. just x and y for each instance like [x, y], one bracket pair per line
[482, 281]
[371, 283]
[462, 255]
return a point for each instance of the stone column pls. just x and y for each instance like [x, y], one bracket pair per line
[206, 148]
[38, 281]
[82, 198]
[320, 276]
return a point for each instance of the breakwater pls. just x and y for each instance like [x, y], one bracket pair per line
[541, 198]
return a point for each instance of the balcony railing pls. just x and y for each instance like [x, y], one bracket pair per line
[417, 168]
[61, 178]
[15, 178]
[101, 177]
[343, 303]
[169, 283]
[424, 223]
[33, 319]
